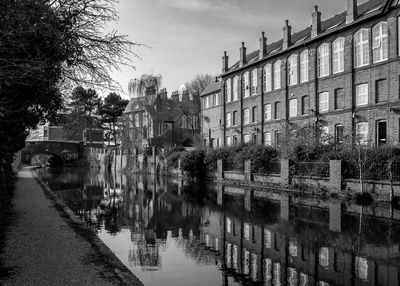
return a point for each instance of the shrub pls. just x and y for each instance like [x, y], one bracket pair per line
[226, 154]
[173, 158]
[192, 163]
[262, 158]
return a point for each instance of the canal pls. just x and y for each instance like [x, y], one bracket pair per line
[171, 233]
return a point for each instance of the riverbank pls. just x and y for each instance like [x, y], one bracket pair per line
[45, 246]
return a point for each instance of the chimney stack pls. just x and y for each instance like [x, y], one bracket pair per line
[316, 22]
[287, 35]
[351, 14]
[263, 46]
[242, 55]
[225, 59]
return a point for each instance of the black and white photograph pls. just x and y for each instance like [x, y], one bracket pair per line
[200, 142]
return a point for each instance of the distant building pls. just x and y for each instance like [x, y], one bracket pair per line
[212, 115]
[153, 119]
[341, 74]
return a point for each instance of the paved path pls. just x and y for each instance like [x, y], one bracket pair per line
[41, 248]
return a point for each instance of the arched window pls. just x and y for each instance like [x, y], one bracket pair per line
[380, 42]
[292, 70]
[277, 74]
[235, 88]
[254, 82]
[304, 66]
[361, 48]
[268, 77]
[228, 90]
[338, 55]
[323, 60]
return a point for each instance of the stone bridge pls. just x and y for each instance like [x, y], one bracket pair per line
[65, 152]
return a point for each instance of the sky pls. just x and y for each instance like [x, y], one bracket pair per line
[182, 38]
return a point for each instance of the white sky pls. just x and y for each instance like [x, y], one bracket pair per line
[188, 37]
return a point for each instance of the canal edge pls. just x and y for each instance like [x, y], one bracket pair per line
[120, 270]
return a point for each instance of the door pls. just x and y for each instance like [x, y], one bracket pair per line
[381, 133]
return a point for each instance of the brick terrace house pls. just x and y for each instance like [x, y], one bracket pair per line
[153, 119]
[342, 73]
[211, 114]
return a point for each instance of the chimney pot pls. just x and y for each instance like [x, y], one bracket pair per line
[263, 46]
[225, 59]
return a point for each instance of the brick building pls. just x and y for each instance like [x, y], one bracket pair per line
[341, 73]
[154, 119]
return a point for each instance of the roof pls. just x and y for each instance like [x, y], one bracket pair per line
[370, 8]
[211, 88]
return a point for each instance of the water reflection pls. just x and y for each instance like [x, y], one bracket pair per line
[171, 233]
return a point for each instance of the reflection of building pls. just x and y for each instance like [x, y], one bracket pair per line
[153, 119]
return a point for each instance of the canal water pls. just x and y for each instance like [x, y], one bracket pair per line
[171, 233]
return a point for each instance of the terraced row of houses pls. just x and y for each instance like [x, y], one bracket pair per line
[342, 73]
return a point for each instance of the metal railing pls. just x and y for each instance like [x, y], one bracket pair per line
[311, 169]
[382, 171]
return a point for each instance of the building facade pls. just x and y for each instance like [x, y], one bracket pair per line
[154, 119]
[341, 74]
[211, 115]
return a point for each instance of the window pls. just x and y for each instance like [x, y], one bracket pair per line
[323, 60]
[305, 105]
[218, 143]
[380, 42]
[246, 262]
[362, 132]
[137, 119]
[267, 139]
[293, 247]
[292, 107]
[254, 266]
[381, 132]
[246, 85]
[361, 94]
[361, 48]
[228, 141]
[361, 268]
[268, 77]
[235, 88]
[246, 227]
[228, 119]
[277, 74]
[254, 137]
[228, 90]
[267, 238]
[235, 140]
[276, 274]
[254, 82]
[207, 102]
[339, 133]
[278, 138]
[246, 116]
[292, 70]
[234, 118]
[267, 112]
[235, 257]
[267, 271]
[216, 99]
[324, 138]
[338, 55]
[277, 111]
[304, 66]
[324, 257]
[254, 114]
[381, 90]
[323, 102]
[339, 98]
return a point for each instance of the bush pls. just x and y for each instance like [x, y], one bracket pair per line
[226, 154]
[262, 158]
[192, 163]
[173, 158]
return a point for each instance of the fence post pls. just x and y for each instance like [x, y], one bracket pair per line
[285, 171]
[247, 170]
[248, 198]
[335, 174]
[220, 169]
